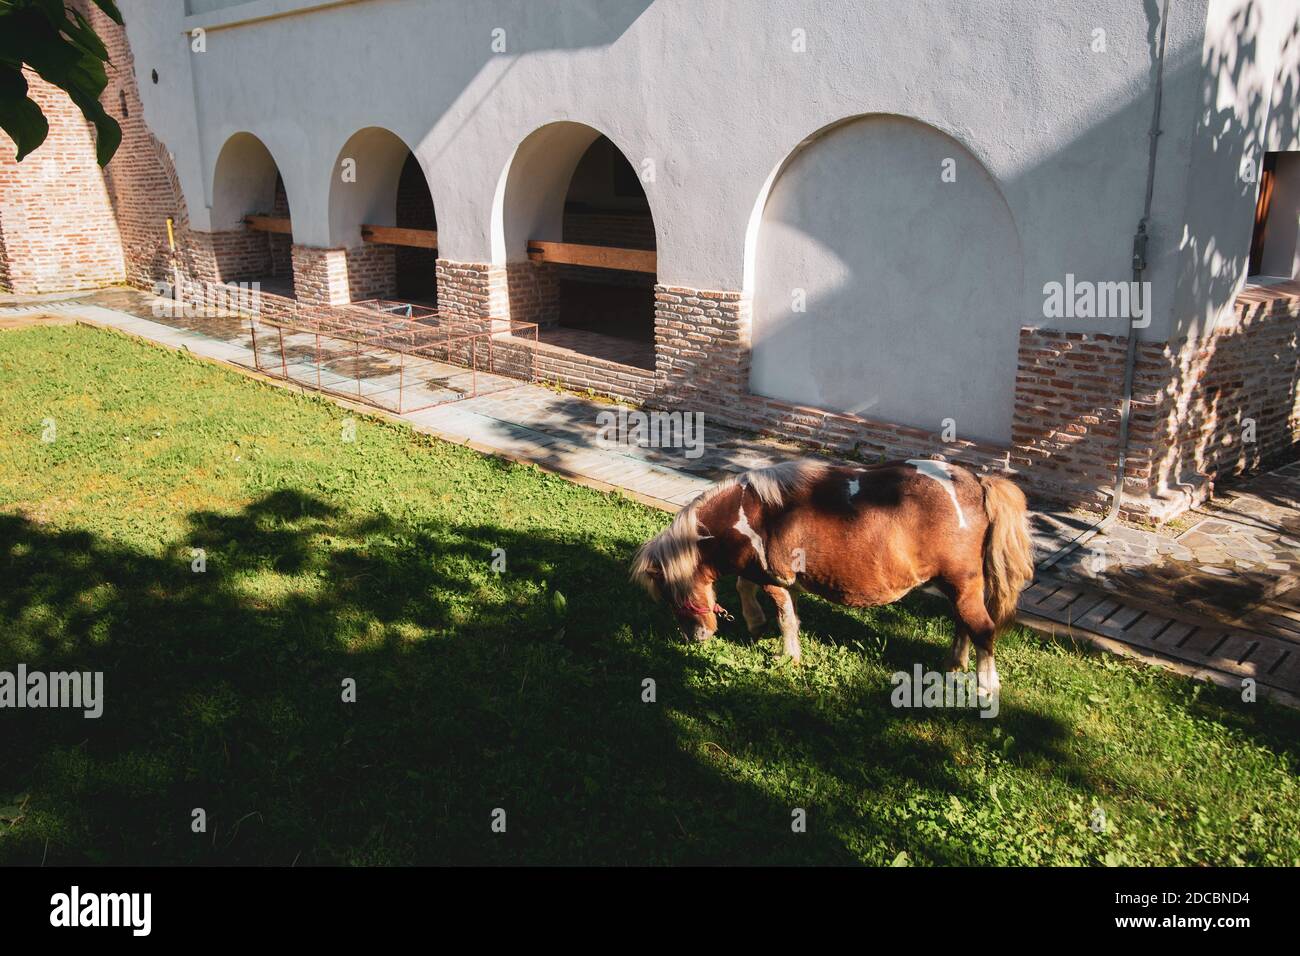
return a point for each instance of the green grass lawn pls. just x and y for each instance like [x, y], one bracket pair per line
[372, 560]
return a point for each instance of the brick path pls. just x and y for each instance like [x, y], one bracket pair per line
[1220, 599]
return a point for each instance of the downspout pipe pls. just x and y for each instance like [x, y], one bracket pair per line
[1140, 238]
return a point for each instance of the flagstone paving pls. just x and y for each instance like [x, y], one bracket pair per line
[1238, 563]
[1221, 597]
[1227, 584]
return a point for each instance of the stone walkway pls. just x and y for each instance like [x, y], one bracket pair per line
[1237, 562]
[1227, 582]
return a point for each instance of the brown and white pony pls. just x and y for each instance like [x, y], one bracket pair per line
[856, 536]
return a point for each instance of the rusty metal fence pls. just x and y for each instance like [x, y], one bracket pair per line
[398, 356]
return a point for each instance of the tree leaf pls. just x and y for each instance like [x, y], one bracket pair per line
[20, 118]
[62, 47]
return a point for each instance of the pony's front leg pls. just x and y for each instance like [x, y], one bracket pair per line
[749, 606]
[959, 654]
[974, 621]
[785, 616]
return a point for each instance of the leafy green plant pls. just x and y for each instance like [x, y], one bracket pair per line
[59, 44]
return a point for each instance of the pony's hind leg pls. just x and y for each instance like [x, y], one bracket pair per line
[749, 606]
[959, 653]
[786, 617]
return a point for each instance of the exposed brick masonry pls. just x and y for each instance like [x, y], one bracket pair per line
[534, 292]
[471, 292]
[279, 246]
[621, 230]
[1065, 427]
[320, 276]
[57, 228]
[1211, 390]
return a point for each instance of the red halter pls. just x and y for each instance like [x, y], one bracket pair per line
[699, 610]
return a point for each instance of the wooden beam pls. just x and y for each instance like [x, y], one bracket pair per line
[599, 257]
[394, 236]
[269, 224]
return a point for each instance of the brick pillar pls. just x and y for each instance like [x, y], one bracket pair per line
[521, 291]
[472, 292]
[320, 276]
[1065, 429]
[702, 349]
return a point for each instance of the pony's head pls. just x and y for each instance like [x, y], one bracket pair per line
[681, 564]
[670, 568]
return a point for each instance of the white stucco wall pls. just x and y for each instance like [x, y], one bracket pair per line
[370, 198]
[1247, 85]
[717, 98]
[881, 289]
[244, 182]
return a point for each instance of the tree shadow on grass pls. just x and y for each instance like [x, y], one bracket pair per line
[223, 692]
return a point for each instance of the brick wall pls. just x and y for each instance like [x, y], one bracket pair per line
[5, 283]
[133, 197]
[1203, 409]
[371, 272]
[56, 221]
[533, 292]
[587, 373]
[1065, 429]
[620, 230]
[279, 245]
[1230, 401]
[118, 215]
[474, 293]
[702, 348]
[233, 256]
[702, 362]
[141, 178]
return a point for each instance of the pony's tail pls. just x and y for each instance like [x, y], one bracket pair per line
[1008, 550]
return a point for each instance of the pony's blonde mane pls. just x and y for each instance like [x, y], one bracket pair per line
[673, 551]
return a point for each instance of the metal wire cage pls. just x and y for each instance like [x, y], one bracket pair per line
[399, 356]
